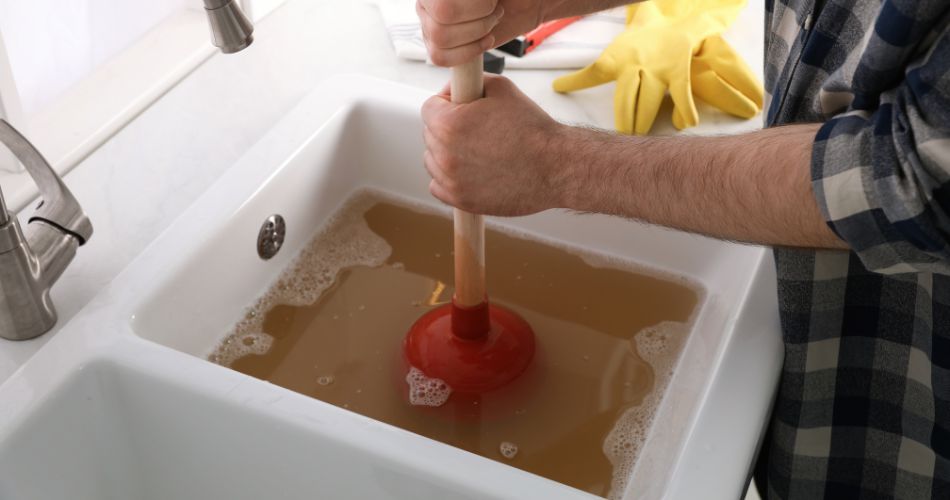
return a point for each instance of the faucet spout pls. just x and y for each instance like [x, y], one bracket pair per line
[231, 30]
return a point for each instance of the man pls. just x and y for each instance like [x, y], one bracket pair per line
[849, 182]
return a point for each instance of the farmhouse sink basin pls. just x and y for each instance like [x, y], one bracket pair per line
[117, 432]
[123, 404]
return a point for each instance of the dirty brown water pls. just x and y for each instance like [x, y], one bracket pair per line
[608, 334]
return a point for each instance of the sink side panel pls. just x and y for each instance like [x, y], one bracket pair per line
[73, 446]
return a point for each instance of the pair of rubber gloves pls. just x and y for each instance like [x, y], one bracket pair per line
[672, 45]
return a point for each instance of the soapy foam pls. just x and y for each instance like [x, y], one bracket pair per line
[508, 450]
[344, 241]
[659, 346]
[242, 344]
[426, 391]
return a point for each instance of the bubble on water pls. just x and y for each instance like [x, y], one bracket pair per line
[508, 449]
[326, 380]
[426, 391]
[344, 241]
[243, 344]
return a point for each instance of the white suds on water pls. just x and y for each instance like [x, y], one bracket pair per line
[426, 391]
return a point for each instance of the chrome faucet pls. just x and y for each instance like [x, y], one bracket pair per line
[231, 31]
[30, 264]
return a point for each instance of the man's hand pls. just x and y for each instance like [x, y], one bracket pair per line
[457, 31]
[502, 155]
[490, 156]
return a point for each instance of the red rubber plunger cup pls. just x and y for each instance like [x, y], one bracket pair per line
[472, 345]
[474, 350]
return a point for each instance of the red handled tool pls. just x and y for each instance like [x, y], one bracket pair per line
[529, 41]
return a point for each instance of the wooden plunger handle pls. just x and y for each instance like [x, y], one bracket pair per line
[468, 86]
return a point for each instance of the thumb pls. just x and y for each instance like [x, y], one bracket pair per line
[723, 79]
[598, 73]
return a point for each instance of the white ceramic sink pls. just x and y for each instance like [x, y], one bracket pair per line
[122, 404]
[116, 432]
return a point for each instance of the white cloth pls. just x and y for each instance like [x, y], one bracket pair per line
[575, 46]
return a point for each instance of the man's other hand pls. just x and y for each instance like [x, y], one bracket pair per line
[457, 31]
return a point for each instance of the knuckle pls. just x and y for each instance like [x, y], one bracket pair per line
[439, 37]
[443, 128]
[447, 162]
[483, 8]
[434, 190]
[464, 200]
[434, 133]
[439, 57]
[428, 110]
[445, 11]
[500, 82]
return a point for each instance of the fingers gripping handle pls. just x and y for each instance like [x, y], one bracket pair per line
[467, 86]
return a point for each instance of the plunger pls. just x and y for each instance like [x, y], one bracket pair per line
[472, 345]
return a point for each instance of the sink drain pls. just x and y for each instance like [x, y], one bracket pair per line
[271, 236]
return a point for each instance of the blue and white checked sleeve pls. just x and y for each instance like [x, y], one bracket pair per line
[881, 170]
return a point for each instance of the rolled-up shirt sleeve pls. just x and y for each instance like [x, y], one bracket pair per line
[881, 174]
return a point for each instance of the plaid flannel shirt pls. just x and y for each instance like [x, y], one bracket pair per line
[863, 409]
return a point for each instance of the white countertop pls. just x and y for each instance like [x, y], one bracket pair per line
[142, 179]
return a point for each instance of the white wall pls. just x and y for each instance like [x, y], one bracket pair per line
[53, 44]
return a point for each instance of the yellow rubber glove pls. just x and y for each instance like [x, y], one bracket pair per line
[656, 54]
[722, 78]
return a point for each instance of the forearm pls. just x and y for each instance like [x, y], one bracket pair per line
[753, 188]
[557, 9]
